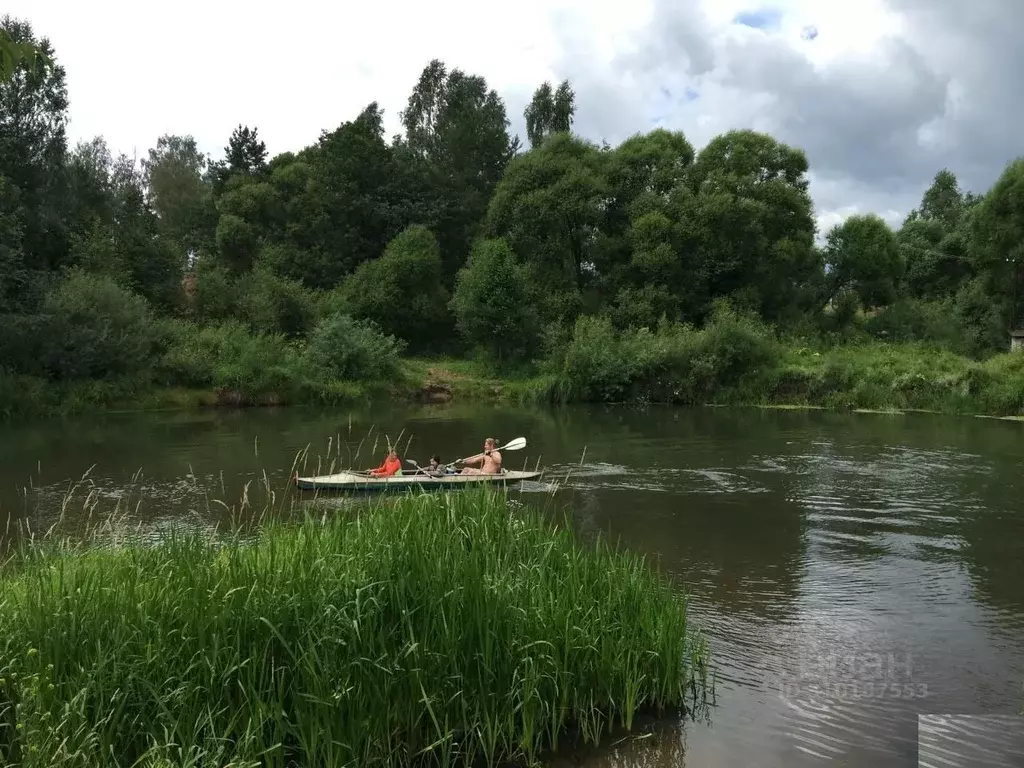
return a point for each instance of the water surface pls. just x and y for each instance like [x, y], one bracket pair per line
[851, 571]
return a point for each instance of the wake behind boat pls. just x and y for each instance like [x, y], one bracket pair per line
[356, 481]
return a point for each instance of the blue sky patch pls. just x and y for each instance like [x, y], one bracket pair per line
[764, 18]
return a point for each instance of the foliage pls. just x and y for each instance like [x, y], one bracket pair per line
[179, 194]
[34, 238]
[237, 651]
[673, 362]
[245, 155]
[96, 329]
[547, 207]
[549, 112]
[271, 304]
[494, 309]
[457, 129]
[251, 367]
[862, 256]
[917, 320]
[403, 291]
[998, 228]
[348, 349]
[750, 218]
[14, 53]
[451, 226]
[216, 295]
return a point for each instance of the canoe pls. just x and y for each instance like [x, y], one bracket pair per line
[351, 481]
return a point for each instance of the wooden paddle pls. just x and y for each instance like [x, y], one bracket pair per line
[512, 445]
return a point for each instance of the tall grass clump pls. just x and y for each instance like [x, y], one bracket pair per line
[436, 630]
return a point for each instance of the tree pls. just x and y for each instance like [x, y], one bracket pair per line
[358, 196]
[492, 303]
[862, 256]
[128, 247]
[549, 208]
[33, 156]
[459, 129]
[180, 196]
[647, 174]
[403, 292]
[935, 240]
[937, 261]
[750, 218]
[245, 155]
[14, 53]
[97, 329]
[942, 201]
[549, 112]
[272, 304]
[90, 194]
[997, 227]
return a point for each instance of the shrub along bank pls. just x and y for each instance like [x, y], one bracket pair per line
[737, 360]
[439, 630]
[733, 360]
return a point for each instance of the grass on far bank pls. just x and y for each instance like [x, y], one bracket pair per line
[870, 376]
[431, 629]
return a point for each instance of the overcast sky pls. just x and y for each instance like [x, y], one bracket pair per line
[880, 93]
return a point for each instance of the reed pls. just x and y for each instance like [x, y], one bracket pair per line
[433, 629]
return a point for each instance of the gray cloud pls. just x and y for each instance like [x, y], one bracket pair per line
[947, 92]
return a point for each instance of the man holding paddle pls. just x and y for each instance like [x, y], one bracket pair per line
[487, 463]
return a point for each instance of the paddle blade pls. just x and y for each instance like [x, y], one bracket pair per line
[412, 461]
[515, 445]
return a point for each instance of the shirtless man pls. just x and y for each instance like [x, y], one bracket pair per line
[489, 461]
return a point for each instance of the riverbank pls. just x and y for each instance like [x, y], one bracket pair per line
[436, 626]
[869, 377]
[872, 376]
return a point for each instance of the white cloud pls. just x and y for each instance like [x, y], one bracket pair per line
[884, 95]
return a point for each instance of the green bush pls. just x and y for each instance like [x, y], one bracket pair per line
[230, 357]
[983, 318]
[20, 343]
[257, 366]
[97, 329]
[916, 320]
[273, 304]
[1004, 389]
[494, 308]
[216, 295]
[402, 292]
[190, 357]
[354, 350]
[670, 363]
[237, 242]
[602, 364]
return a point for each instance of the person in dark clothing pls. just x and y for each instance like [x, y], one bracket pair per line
[436, 468]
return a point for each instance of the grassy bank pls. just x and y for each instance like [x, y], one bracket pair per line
[437, 629]
[734, 361]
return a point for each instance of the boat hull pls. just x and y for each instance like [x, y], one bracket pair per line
[351, 481]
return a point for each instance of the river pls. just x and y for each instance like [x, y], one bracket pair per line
[852, 571]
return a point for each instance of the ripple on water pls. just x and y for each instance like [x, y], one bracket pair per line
[952, 741]
[656, 479]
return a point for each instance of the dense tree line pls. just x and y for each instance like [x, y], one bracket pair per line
[453, 237]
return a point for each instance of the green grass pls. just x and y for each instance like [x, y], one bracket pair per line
[472, 380]
[874, 376]
[426, 630]
[904, 376]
